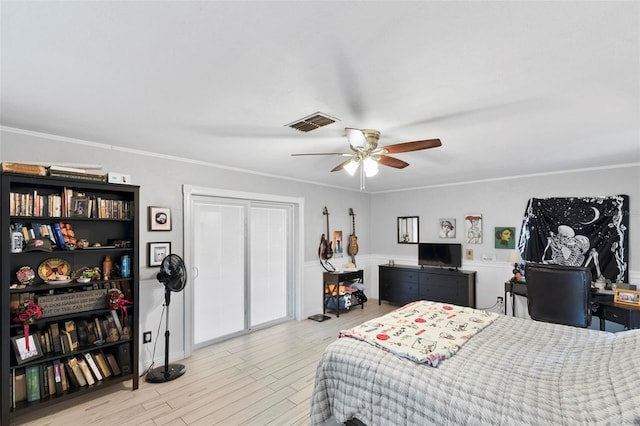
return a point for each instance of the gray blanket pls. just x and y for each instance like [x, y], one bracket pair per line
[515, 371]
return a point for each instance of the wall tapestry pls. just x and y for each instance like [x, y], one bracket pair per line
[587, 231]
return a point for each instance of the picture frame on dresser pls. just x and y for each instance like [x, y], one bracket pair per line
[627, 297]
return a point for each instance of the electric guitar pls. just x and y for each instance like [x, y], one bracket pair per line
[325, 250]
[352, 250]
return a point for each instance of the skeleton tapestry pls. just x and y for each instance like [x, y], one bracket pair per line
[588, 231]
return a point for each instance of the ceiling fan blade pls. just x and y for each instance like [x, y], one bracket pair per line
[340, 166]
[344, 154]
[392, 162]
[412, 146]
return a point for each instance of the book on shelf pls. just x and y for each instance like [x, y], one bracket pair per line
[99, 331]
[80, 378]
[83, 334]
[24, 168]
[70, 328]
[124, 358]
[102, 362]
[51, 379]
[78, 175]
[58, 372]
[54, 331]
[19, 386]
[84, 367]
[32, 376]
[57, 229]
[113, 363]
[93, 365]
[116, 320]
[72, 380]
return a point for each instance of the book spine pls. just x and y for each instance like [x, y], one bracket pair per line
[32, 373]
[92, 364]
[57, 377]
[84, 367]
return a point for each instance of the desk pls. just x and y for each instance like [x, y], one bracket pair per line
[331, 284]
[606, 309]
[629, 316]
[513, 287]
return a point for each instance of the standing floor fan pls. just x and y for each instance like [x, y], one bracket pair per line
[173, 275]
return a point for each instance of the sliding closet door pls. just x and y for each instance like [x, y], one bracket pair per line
[269, 241]
[219, 290]
[242, 255]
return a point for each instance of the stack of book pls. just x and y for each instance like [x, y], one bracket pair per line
[76, 173]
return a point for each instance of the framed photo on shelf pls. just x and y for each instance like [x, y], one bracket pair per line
[156, 252]
[19, 344]
[79, 207]
[159, 218]
[627, 297]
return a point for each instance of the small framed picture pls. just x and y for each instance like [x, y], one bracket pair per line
[19, 344]
[79, 207]
[157, 252]
[159, 218]
[505, 237]
[627, 297]
[447, 228]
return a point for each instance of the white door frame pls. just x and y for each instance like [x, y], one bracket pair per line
[188, 191]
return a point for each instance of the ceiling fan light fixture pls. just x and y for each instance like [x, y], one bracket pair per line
[370, 166]
[356, 138]
[352, 166]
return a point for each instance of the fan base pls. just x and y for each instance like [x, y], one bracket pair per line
[158, 374]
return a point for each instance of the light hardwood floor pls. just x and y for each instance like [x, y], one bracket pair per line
[262, 378]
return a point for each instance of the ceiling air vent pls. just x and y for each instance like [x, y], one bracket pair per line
[312, 122]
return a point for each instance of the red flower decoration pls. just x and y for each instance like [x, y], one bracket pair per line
[27, 312]
[115, 299]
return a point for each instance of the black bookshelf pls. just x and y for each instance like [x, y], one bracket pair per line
[114, 217]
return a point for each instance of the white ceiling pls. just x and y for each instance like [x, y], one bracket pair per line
[511, 88]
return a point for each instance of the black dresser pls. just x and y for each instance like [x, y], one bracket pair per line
[402, 284]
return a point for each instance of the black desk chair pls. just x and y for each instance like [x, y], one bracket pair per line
[559, 294]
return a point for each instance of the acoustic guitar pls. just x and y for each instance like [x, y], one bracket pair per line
[325, 251]
[352, 250]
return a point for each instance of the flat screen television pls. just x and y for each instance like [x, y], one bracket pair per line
[446, 255]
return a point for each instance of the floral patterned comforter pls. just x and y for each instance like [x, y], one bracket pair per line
[423, 331]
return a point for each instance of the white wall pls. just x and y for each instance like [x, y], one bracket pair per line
[501, 202]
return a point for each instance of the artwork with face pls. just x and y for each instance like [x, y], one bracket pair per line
[587, 231]
[473, 228]
[505, 238]
[447, 228]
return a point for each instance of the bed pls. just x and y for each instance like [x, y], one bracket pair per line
[513, 371]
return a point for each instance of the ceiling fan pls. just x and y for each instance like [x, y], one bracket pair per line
[366, 153]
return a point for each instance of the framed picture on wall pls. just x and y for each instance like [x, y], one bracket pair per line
[473, 228]
[156, 252]
[447, 228]
[505, 237]
[159, 218]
